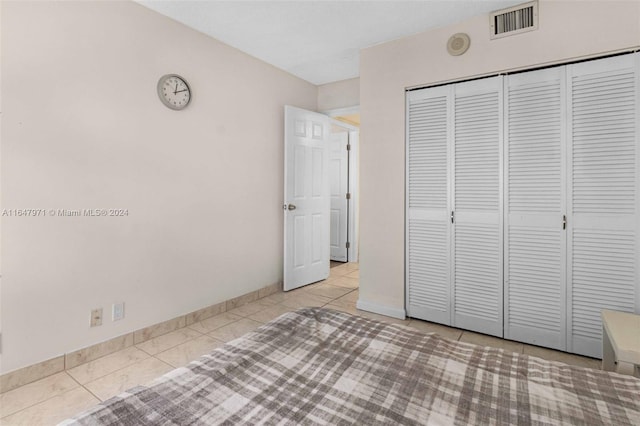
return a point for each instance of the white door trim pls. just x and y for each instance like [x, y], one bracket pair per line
[337, 112]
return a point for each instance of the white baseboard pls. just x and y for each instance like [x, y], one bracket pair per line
[381, 309]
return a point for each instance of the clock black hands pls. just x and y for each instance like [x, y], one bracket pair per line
[176, 89]
[183, 90]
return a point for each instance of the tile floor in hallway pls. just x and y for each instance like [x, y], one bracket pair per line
[64, 394]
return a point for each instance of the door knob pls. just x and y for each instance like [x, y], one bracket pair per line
[292, 207]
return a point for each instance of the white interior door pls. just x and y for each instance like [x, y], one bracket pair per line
[339, 186]
[307, 201]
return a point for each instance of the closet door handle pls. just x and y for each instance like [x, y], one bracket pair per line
[564, 221]
[452, 216]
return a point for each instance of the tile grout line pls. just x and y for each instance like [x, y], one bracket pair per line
[115, 371]
[171, 347]
[85, 388]
[111, 372]
[46, 399]
[128, 365]
[92, 394]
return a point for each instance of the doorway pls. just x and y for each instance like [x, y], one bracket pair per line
[310, 140]
[343, 174]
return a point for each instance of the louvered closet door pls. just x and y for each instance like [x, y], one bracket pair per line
[428, 228]
[535, 250]
[603, 195]
[477, 199]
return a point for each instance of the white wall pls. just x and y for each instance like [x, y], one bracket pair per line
[339, 94]
[568, 30]
[83, 128]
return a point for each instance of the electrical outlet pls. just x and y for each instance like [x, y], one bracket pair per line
[96, 317]
[117, 311]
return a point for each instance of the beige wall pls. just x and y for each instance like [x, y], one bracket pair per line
[568, 30]
[83, 128]
[339, 94]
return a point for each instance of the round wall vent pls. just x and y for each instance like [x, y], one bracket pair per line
[458, 44]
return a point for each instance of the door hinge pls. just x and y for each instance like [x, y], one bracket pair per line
[348, 147]
[348, 244]
[564, 222]
[348, 195]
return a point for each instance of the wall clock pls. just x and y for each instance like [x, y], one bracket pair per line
[174, 91]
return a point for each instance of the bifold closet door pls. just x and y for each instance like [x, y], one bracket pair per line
[427, 225]
[603, 195]
[454, 205]
[477, 206]
[535, 235]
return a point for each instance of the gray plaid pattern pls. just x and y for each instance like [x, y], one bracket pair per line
[317, 366]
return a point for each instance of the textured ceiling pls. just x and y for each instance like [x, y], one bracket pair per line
[318, 41]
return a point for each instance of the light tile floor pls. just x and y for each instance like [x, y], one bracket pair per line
[62, 395]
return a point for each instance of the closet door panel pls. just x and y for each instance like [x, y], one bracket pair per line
[535, 252]
[603, 216]
[428, 229]
[477, 198]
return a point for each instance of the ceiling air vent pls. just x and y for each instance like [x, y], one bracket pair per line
[514, 20]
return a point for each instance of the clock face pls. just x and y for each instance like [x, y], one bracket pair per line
[174, 91]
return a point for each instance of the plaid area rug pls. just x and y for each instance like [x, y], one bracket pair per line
[318, 366]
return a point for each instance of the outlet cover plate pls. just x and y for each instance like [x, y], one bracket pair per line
[117, 311]
[96, 317]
